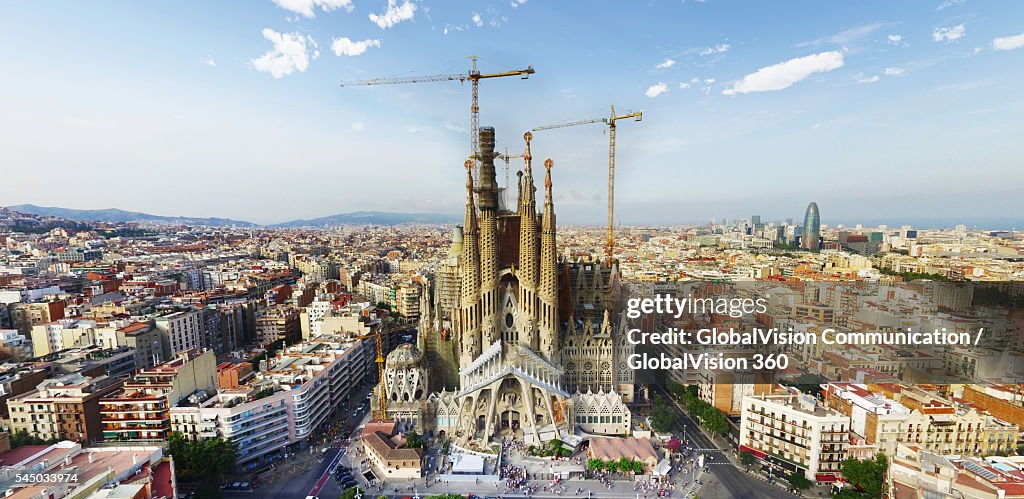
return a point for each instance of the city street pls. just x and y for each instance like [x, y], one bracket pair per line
[728, 480]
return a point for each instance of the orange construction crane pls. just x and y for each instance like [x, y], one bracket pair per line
[609, 247]
[474, 76]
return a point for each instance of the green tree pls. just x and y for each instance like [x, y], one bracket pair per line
[869, 475]
[747, 458]
[611, 466]
[414, 440]
[206, 460]
[595, 464]
[692, 390]
[23, 437]
[799, 481]
[663, 419]
[638, 466]
[351, 493]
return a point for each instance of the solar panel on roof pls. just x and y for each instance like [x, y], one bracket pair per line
[980, 470]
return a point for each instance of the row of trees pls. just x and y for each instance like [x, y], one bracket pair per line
[622, 464]
[205, 461]
[23, 437]
[708, 416]
[867, 475]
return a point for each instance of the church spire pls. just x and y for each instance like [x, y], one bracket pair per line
[548, 329]
[528, 251]
[519, 198]
[487, 200]
[469, 313]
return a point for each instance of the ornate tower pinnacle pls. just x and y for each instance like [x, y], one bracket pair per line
[487, 200]
[548, 329]
[529, 256]
[469, 312]
[519, 199]
[487, 193]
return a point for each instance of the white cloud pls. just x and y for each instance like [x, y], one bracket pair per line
[892, 71]
[394, 14]
[847, 36]
[707, 86]
[717, 49]
[894, 38]
[949, 3]
[307, 7]
[449, 28]
[867, 79]
[517, 3]
[358, 127]
[1008, 42]
[656, 90]
[344, 46]
[496, 22]
[208, 60]
[667, 64]
[455, 128]
[684, 85]
[786, 73]
[949, 34]
[289, 54]
[477, 20]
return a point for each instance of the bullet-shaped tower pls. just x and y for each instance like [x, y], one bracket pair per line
[469, 310]
[487, 200]
[548, 327]
[528, 253]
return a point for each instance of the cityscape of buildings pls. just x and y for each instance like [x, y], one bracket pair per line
[504, 327]
[493, 353]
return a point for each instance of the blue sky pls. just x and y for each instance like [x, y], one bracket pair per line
[879, 111]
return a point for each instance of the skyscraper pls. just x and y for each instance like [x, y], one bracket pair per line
[812, 227]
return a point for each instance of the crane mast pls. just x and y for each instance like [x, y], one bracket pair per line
[609, 245]
[474, 76]
[507, 157]
[382, 407]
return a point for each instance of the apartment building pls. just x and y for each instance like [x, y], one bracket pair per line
[255, 417]
[180, 331]
[794, 434]
[65, 408]
[282, 407]
[26, 315]
[725, 390]
[885, 416]
[915, 472]
[280, 322]
[141, 410]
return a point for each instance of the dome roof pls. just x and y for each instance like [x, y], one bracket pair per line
[405, 355]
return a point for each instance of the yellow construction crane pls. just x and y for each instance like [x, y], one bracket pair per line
[609, 247]
[474, 76]
[382, 406]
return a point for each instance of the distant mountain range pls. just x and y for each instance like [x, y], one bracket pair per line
[114, 215]
[371, 218]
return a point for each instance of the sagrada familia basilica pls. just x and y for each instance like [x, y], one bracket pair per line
[514, 339]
